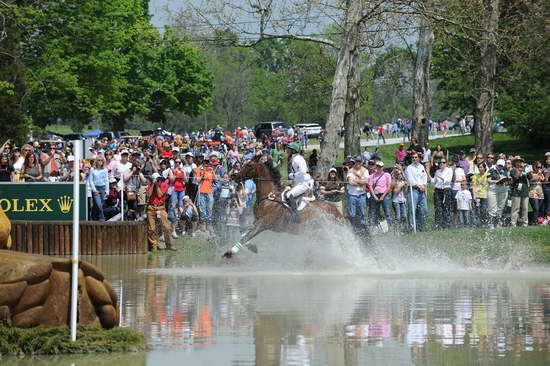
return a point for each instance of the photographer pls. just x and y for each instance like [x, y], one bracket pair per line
[156, 198]
[133, 181]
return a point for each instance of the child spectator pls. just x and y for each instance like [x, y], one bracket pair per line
[189, 216]
[464, 203]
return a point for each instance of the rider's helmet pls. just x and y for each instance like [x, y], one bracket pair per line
[294, 146]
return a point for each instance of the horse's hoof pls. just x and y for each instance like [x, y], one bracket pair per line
[253, 248]
[227, 254]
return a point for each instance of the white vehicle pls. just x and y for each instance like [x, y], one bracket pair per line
[312, 129]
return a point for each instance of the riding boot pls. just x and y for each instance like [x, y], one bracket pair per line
[293, 204]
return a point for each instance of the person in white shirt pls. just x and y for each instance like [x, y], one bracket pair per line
[357, 181]
[418, 181]
[122, 167]
[299, 174]
[458, 176]
[443, 195]
[464, 203]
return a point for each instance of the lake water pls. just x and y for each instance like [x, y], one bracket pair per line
[291, 310]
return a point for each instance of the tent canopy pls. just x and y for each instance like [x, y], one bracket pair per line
[94, 133]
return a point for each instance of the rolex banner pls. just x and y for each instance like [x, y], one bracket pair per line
[41, 201]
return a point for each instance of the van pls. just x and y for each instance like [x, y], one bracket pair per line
[312, 129]
[267, 128]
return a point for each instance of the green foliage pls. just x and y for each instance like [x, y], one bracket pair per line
[53, 341]
[93, 61]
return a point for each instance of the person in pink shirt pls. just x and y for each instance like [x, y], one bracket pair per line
[379, 187]
[400, 154]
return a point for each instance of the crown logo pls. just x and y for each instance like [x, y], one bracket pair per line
[65, 203]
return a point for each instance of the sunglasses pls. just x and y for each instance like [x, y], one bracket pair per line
[178, 162]
[443, 162]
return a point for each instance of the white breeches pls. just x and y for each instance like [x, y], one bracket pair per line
[300, 189]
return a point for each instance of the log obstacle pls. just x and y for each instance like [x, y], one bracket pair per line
[96, 237]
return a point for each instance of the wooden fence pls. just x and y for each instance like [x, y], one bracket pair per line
[96, 237]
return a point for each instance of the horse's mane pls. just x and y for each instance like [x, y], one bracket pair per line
[275, 173]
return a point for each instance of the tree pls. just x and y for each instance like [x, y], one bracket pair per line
[351, 15]
[422, 79]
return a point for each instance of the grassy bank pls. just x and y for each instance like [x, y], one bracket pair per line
[523, 244]
[55, 341]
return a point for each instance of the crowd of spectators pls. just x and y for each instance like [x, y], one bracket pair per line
[471, 189]
[195, 170]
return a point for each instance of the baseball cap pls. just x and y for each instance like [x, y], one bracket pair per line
[455, 159]
[401, 144]
[332, 170]
[155, 176]
[501, 162]
[112, 180]
[124, 152]
[357, 160]
[70, 158]
[186, 198]
[371, 162]
[380, 163]
[473, 150]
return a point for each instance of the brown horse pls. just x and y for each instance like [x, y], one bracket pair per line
[270, 212]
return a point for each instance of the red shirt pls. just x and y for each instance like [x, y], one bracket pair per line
[159, 199]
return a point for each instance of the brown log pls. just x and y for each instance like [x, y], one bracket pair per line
[29, 238]
[11, 292]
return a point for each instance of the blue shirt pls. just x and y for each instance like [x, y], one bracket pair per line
[251, 189]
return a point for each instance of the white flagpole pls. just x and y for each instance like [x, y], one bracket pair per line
[77, 146]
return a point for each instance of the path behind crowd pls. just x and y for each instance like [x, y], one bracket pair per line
[389, 141]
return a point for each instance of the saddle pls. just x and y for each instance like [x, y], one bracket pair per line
[302, 200]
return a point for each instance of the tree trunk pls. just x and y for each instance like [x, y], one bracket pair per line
[352, 137]
[119, 122]
[338, 104]
[421, 89]
[487, 73]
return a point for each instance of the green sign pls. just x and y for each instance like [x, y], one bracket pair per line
[41, 201]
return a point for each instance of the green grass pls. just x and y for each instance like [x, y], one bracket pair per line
[503, 142]
[54, 341]
[528, 244]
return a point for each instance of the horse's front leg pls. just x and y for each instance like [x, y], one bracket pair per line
[244, 242]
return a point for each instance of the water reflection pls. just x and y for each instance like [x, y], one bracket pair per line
[328, 320]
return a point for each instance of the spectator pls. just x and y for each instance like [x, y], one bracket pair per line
[536, 194]
[379, 186]
[435, 158]
[519, 193]
[189, 216]
[111, 206]
[333, 190]
[156, 197]
[366, 156]
[32, 170]
[178, 179]
[443, 195]
[381, 135]
[498, 178]
[398, 187]
[6, 170]
[457, 178]
[52, 163]
[357, 179]
[480, 195]
[417, 179]
[464, 203]
[546, 184]
[98, 180]
[205, 178]
[400, 154]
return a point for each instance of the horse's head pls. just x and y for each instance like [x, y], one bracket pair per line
[250, 170]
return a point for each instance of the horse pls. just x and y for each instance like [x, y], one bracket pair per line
[270, 211]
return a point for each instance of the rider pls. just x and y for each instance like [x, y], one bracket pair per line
[299, 174]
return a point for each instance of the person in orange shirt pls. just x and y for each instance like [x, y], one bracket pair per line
[205, 177]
